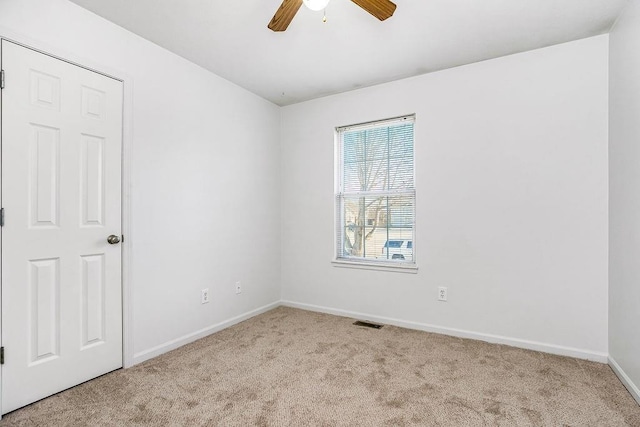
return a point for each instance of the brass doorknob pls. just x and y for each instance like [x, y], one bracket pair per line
[113, 239]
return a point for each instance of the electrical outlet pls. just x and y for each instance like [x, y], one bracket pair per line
[204, 298]
[442, 293]
[238, 287]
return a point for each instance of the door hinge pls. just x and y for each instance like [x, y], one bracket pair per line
[1, 79]
[1, 217]
[1, 355]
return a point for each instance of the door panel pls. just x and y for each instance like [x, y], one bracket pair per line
[61, 280]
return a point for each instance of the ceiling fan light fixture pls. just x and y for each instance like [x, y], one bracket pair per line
[316, 4]
[381, 9]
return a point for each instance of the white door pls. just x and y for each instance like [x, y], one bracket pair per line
[61, 279]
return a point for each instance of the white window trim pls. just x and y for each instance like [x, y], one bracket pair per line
[404, 267]
[370, 264]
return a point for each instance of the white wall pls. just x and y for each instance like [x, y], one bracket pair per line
[205, 176]
[511, 159]
[624, 197]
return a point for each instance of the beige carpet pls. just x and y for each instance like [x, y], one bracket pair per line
[291, 367]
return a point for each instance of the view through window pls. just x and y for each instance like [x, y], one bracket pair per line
[375, 192]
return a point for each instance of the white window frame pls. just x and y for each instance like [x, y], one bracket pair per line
[339, 195]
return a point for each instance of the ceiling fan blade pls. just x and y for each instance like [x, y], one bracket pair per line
[381, 9]
[284, 15]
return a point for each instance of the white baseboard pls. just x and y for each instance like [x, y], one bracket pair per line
[495, 339]
[624, 378]
[194, 336]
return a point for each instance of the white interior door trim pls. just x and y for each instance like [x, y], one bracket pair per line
[127, 166]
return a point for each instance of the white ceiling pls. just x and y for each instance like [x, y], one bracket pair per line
[353, 49]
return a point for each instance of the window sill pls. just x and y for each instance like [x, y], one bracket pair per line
[363, 265]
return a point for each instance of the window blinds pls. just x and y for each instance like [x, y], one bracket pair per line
[375, 191]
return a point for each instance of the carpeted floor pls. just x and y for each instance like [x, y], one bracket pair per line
[291, 367]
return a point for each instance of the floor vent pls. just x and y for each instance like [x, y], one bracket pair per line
[367, 324]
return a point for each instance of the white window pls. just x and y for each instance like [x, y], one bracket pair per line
[375, 192]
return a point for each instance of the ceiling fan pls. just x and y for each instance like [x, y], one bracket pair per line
[381, 9]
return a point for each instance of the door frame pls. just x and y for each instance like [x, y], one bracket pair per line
[127, 143]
